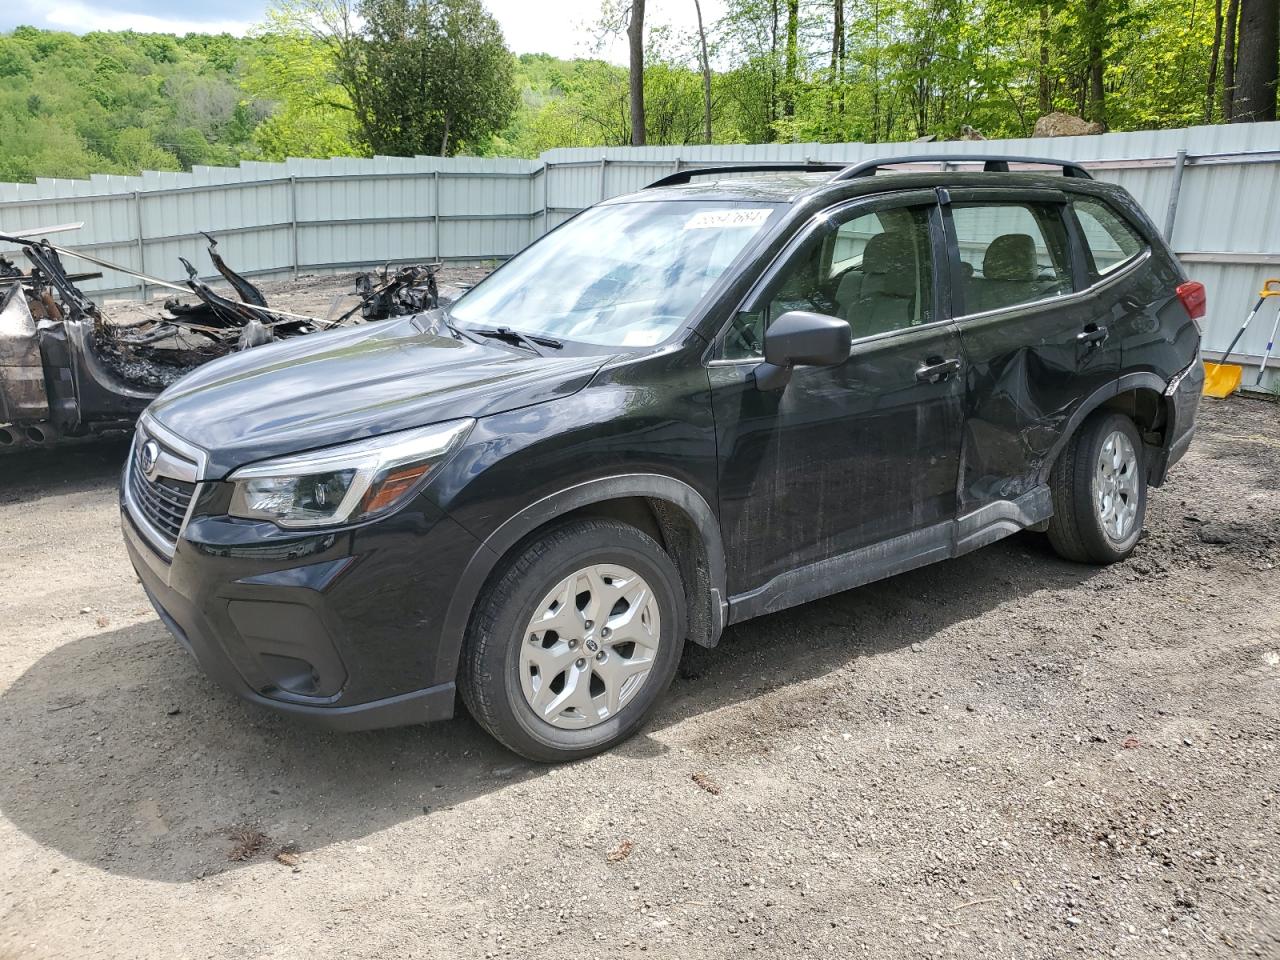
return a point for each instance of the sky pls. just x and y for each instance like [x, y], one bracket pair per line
[560, 27]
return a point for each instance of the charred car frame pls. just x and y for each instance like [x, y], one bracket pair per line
[67, 370]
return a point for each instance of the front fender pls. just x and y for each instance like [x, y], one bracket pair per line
[677, 493]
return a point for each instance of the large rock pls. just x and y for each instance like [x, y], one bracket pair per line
[1058, 124]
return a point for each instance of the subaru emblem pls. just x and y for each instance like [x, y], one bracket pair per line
[150, 456]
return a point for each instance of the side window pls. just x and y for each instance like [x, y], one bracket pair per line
[1110, 239]
[1011, 253]
[874, 270]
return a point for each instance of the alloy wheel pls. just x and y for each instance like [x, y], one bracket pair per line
[1115, 485]
[590, 646]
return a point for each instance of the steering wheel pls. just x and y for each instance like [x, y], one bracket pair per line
[821, 303]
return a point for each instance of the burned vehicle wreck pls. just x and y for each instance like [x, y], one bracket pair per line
[69, 370]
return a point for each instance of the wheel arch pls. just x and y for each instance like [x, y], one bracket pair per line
[1141, 396]
[684, 521]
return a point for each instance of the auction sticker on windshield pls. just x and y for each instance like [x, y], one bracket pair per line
[744, 217]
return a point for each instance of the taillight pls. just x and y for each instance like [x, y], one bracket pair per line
[1193, 298]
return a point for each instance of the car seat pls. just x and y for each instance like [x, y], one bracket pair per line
[886, 293]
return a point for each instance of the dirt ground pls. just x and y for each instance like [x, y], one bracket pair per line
[1005, 755]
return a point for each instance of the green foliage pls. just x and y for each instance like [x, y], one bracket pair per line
[910, 68]
[1162, 81]
[573, 103]
[317, 80]
[436, 75]
[307, 113]
[119, 103]
[39, 146]
[565, 104]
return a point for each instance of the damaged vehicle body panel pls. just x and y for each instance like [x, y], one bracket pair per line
[22, 389]
[67, 370]
[50, 372]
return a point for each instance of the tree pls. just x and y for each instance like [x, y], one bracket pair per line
[1257, 62]
[1095, 31]
[705, 64]
[438, 76]
[418, 76]
[749, 29]
[344, 77]
[635, 45]
[1229, 59]
[577, 102]
[309, 114]
[118, 102]
[333, 27]
[1211, 88]
[1044, 81]
[791, 77]
[135, 149]
[837, 52]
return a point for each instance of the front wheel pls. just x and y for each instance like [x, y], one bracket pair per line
[1099, 487]
[574, 641]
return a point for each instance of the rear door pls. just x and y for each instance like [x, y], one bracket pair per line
[1035, 347]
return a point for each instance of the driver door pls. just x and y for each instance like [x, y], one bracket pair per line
[855, 463]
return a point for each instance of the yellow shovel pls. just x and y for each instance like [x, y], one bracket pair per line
[1222, 379]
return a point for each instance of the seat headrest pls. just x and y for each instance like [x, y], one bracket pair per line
[886, 253]
[888, 265]
[1011, 257]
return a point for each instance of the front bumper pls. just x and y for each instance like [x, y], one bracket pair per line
[340, 628]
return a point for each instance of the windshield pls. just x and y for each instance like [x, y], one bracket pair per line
[622, 275]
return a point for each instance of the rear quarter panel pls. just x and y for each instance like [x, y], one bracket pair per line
[1156, 333]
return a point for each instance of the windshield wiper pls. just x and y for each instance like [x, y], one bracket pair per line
[531, 341]
[456, 330]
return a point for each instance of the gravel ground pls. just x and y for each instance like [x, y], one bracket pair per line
[1003, 755]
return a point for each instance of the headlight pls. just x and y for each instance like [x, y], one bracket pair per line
[347, 483]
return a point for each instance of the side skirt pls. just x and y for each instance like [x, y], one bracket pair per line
[941, 541]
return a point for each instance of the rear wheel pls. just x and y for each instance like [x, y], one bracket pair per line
[574, 641]
[1099, 487]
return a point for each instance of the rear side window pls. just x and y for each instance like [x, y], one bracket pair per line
[1110, 239]
[1011, 253]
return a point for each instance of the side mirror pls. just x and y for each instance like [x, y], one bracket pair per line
[799, 338]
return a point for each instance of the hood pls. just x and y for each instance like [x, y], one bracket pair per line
[327, 388]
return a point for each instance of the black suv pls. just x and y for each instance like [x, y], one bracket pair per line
[709, 400]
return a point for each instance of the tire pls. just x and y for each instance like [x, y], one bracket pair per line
[500, 680]
[1084, 528]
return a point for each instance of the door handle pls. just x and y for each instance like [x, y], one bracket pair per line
[936, 370]
[1093, 335]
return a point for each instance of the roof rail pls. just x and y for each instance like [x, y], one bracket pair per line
[684, 176]
[991, 163]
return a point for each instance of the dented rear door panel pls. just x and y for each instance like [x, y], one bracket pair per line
[1028, 369]
[1027, 374]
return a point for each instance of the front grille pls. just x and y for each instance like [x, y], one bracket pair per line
[162, 502]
